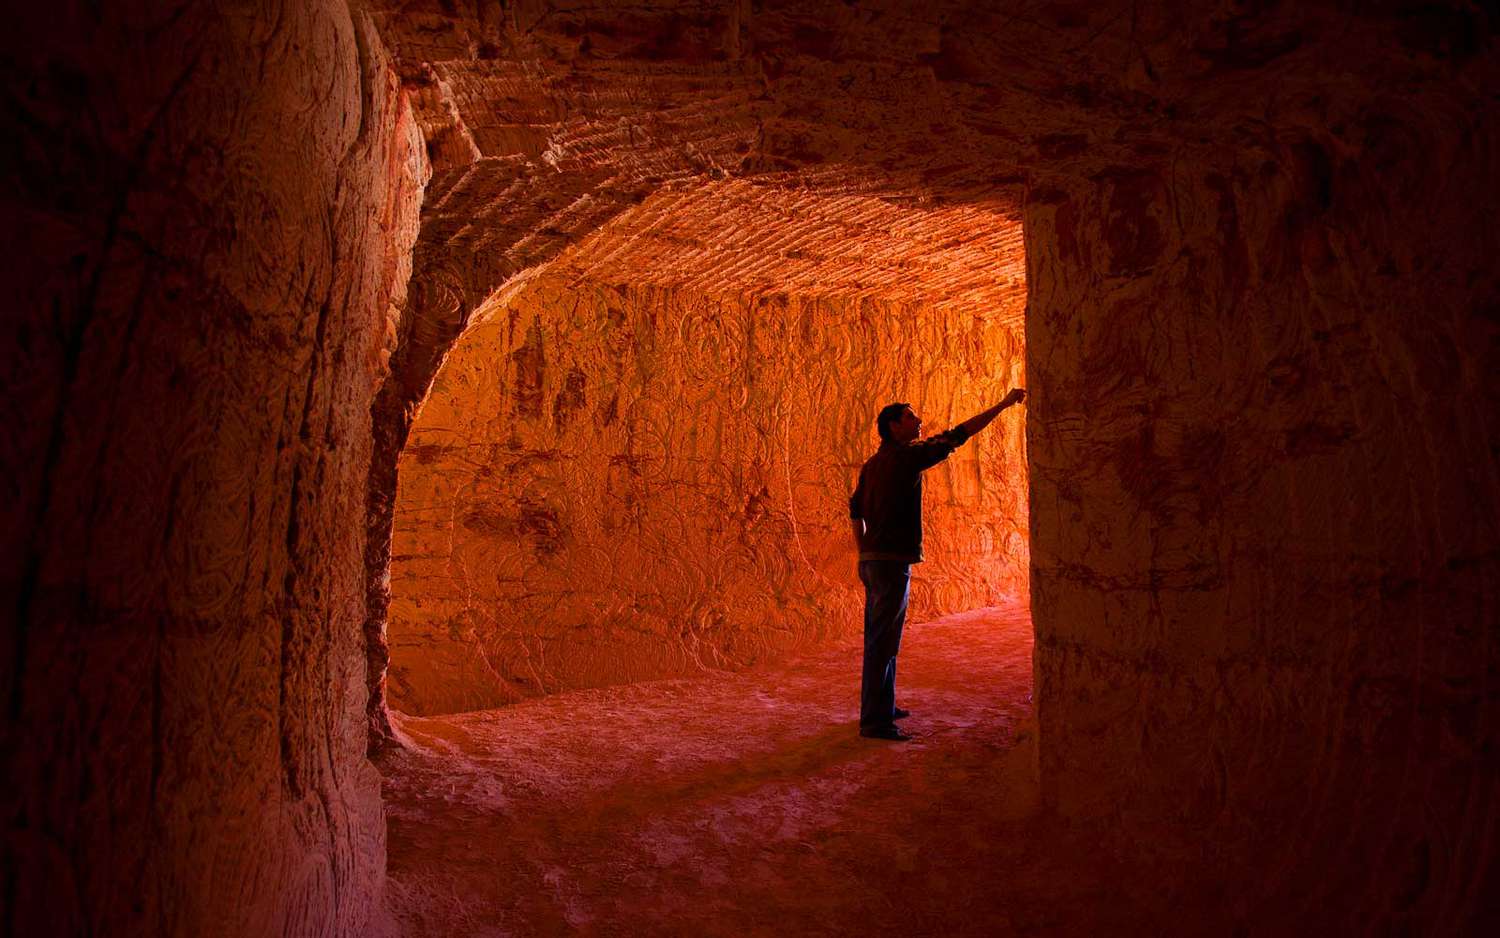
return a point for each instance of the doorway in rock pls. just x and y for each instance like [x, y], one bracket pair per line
[625, 618]
[635, 465]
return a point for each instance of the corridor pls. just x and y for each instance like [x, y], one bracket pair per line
[745, 804]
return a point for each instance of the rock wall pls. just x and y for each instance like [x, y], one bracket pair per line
[617, 483]
[210, 213]
[532, 147]
[1265, 512]
[1262, 350]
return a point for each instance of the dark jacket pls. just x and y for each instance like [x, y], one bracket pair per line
[889, 495]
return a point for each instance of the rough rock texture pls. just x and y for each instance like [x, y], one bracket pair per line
[637, 480]
[1265, 519]
[533, 146]
[1261, 342]
[746, 805]
[210, 216]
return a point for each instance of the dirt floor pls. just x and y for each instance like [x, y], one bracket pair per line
[746, 804]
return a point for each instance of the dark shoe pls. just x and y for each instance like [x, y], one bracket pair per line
[900, 714]
[892, 733]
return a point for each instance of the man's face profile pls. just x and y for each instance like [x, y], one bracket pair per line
[908, 427]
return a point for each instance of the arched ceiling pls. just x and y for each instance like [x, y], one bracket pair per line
[739, 237]
[545, 119]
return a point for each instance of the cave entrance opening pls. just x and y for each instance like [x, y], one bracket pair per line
[635, 465]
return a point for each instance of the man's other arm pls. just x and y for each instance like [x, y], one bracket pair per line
[856, 519]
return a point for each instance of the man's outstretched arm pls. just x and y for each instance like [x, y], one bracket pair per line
[924, 454]
[982, 419]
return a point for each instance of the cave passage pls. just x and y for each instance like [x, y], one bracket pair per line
[718, 805]
[641, 274]
[625, 625]
[635, 466]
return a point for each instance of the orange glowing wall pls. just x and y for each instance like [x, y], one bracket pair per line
[609, 484]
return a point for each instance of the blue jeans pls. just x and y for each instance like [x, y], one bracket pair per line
[887, 588]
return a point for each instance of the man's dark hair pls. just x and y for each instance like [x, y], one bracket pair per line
[889, 414]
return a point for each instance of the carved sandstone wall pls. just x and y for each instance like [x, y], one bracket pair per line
[210, 220]
[1265, 503]
[614, 483]
[1265, 521]
[1262, 347]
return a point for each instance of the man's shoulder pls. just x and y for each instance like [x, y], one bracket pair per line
[887, 452]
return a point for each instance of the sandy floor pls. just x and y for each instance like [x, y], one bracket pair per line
[747, 805]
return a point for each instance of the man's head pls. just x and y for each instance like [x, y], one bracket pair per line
[898, 423]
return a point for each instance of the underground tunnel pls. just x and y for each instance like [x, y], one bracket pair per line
[428, 425]
[637, 466]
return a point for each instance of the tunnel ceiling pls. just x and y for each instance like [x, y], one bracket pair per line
[544, 121]
[942, 96]
[737, 237]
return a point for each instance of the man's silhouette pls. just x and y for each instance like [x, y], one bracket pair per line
[886, 510]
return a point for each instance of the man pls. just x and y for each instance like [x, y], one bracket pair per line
[886, 510]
